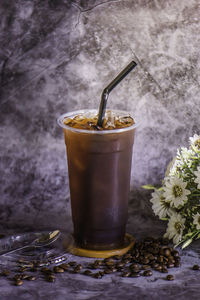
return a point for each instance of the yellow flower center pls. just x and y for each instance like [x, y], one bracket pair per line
[177, 191]
[178, 227]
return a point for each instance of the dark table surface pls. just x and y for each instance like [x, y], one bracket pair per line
[77, 286]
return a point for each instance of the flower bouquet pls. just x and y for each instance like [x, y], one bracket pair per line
[178, 199]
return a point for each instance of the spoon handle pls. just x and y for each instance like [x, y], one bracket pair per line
[37, 243]
[17, 249]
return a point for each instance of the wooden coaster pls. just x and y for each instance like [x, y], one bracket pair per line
[129, 243]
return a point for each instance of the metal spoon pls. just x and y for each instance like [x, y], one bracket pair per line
[42, 240]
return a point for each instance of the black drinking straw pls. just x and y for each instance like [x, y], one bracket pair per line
[109, 88]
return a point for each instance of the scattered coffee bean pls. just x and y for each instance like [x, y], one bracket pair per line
[98, 262]
[72, 263]
[50, 279]
[164, 269]
[147, 273]
[175, 253]
[97, 275]
[87, 272]
[158, 268]
[127, 256]
[146, 267]
[170, 265]
[167, 252]
[116, 257]
[170, 277]
[160, 259]
[96, 266]
[126, 261]
[79, 266]
[107, 271]
[65, 266]
[24, 276]
[150, 256]
[125, 274]
[22, 269]
[196, 267]
[134, 266]
[5, 272]
[31, 278]
[101, 273]
[120, 264]
[18, 282]
[147, 255]
[50, 276]
[77, 269]
[113, 269]
[17, 276]
[145, 261]
[109, 263]
[58, 269]
[171, 259]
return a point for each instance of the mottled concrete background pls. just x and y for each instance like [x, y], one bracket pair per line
[57, 56]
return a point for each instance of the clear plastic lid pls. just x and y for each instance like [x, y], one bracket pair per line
[92, 113]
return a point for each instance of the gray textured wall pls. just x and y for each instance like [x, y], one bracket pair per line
[57, 56]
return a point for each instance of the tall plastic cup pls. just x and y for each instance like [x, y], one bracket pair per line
[99, 168]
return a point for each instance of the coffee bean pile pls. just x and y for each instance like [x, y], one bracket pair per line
[146, 257]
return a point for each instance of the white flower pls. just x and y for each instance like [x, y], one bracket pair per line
[175, 191]
[160, 206]
[197, 174]
[171, 168]
[196, 222]
[184, 155]
[175, 228]
[195, 141]
[187, 155]
[174, 168]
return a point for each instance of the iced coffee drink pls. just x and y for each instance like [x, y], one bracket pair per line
[99, 167]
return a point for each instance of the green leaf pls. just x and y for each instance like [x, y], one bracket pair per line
[189, 234]
[178, 244]
[187, 243]
[148, 187]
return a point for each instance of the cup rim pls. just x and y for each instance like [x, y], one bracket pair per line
[76, 112]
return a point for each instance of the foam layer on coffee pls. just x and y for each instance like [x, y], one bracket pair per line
[88, 121]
